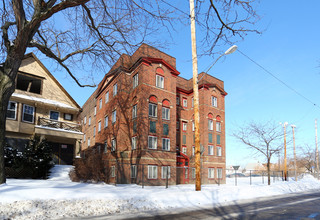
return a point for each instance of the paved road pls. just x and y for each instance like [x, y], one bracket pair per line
[304, 206]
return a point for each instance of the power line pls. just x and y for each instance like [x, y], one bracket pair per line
[267, 71]
[285, 84]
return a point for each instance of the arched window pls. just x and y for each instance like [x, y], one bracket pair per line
[218, 123]
[153, 103]
[159, 78]
[166, 109]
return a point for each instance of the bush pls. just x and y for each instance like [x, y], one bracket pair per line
[36, 159]
[90, 168]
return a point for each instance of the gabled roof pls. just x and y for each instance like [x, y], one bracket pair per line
[32, 55]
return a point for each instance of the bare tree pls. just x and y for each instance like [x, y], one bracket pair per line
[264, 139]
[307, 159]
[77, 33]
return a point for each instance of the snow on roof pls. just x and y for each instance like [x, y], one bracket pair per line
[58, 129]
[44, 101]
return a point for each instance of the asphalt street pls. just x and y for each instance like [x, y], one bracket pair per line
[302, 206]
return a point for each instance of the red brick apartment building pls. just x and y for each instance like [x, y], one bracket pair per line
[141, 119]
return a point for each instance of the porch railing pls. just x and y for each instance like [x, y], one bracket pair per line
[50, 123]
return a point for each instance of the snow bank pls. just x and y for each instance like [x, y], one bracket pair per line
[58, 197]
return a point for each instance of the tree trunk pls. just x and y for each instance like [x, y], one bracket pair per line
[268, 168]
[7, 87]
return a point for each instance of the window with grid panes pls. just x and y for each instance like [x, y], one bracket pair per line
[210, 173]
[166, 144]
[165, 171]
[152, 172]
[165, 113]
[152, 110]
[135, 80]
[152, 142]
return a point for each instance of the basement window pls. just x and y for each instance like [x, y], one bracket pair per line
[29, 84]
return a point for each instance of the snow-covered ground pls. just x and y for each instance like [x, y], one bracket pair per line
[58, 197]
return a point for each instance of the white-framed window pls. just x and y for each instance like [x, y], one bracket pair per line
[88, 142]
[94, 131]
[184, 126]
[160, 81]
[185, 102]
[165, 170]
[100, 103]
[68, 116]
[152, 110]
[114, 116]
[184, 150]
[84, 138]
[106, 121]
[135, 80]
[133, 172]
[134, 143]
[134, 111]
[89, 121]
[186, 173]
[193, 151]
[178, 100]
[219, 151]
[193, 173]
[113, 145]
[210, 150]
[219, 173]
[165, 113]
[214, 101]
[107, 97]
[115, 89]
[152, 172]
[152, 142]
[166, 144]
[28, 113]
[105, 147]
[210, 173]
[113, 171]
[95, 110]
[210, 124]
[85, 120]
[99, 126]
[218, 126]
[12, 110]
[192, 125]
[54, 115]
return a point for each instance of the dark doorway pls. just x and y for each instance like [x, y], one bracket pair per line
[63, 153]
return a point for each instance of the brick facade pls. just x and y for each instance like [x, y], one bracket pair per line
[141, 128]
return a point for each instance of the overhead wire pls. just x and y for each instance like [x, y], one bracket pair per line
[256, 63]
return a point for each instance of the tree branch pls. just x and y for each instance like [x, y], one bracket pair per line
[5, 35]
[46, 51]
[19, 13]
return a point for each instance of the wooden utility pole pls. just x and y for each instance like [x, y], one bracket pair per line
[195, 96]
[294, 153]
[285, 151]
[317, 153]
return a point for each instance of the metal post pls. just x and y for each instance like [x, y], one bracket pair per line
[167, 177]
[195, 96]
[235, 177]
[142, 175]
[285, 151]
[317, 152]
[294, 153]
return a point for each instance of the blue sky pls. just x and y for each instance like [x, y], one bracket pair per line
[288, 48]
